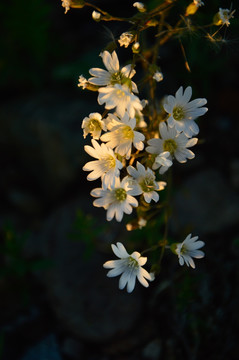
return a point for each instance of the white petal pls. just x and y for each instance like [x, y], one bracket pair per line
[119, 213]
[115, 272]
[120, 250]
[179, 93]
[181, 260]
[131, 283]
[141, 278]
[187, 94]
[123, 280]
[142, 260]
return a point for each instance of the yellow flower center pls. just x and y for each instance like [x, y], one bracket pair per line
[133, 263]
[120, 194]
[183, 250]
[120, 93]
[109, 162]
[119, 78]
[127, 132]
[94, 125]
[170, 145]
[178, 113]
[147, 184]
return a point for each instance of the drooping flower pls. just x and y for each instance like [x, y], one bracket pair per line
[66, 4]
[125, 39]
[117, 199]
[107, 167]
[144, 182]
[182, 113]
[224, 16]
[163, 161]
[93, 125]
[129, 266]
[188, 249]
[114, 74]
[198, 3]
[171, 141]
[120, 98]
[122, 136]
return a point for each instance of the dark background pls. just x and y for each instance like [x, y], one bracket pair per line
[55, 300]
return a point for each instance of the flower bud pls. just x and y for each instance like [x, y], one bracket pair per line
[136, 48]
[191, 9]
[140, 6]
[96, 15]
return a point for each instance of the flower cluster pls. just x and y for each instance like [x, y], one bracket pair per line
[122, 139]
[118, 140]
[136, 141]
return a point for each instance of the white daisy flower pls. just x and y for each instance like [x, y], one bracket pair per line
[107, 167]
[66, 4]
[117, 199]
[144, 182]
[171, 141]
[114, 74]
[129, 267]
[158, 76]
[93, 125]
[122, 136]
[189, 249]
[120, 98]
[225, 15]
[182, 113]
[125, 39]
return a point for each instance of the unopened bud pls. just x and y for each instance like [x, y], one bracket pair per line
[96, 15]
[191, 9]
[136, 48]
[140, 6]
[158, 76]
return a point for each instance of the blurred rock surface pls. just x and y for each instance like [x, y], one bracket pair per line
[205, 203]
